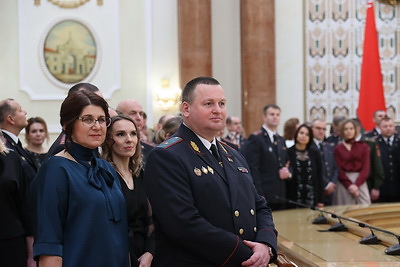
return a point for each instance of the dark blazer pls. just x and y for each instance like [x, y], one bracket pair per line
[203, 212]
[390, 158]
[57, 146]
[316, 173]
[28, 162]
[265, 163]
[329, 170]
[376, 172]
[146, 149]
[242, 140]
[333, 139]
[372, 133]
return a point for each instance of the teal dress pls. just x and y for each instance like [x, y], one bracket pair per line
[80, 212]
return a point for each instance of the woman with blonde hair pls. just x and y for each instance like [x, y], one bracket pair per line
[353, 163]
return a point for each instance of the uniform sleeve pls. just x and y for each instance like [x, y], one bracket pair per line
[50, 199]
[364, 172]
[251, 150]
[169, 191]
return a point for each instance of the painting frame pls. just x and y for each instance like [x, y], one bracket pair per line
[103, 22]
[50, 75]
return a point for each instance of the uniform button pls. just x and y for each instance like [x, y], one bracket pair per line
[390, 163]
[252, 212]
[241, 231]
[255, 229]
[237, 213]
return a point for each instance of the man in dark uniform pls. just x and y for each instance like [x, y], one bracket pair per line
[206, 209]
[134, 109]
[376, 173]
[378, 116]
[12, 121]
[266, 154]
[234, 127]
[330, 172]
[389, 144]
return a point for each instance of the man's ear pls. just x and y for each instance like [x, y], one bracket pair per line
[185, 108]
[10, 119]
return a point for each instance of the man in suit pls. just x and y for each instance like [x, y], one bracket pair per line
[389, 144]
[206, 209]
[234, 127]
[266, 154]
[334, 138]
[133, 109]
[329, 170]
[378, 116]
[12, 121]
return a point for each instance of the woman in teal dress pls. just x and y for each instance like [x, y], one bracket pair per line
[80, 212]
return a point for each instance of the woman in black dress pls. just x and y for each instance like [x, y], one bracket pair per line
[16, 233]
[305, 186]
[123, 150]
[35, 134]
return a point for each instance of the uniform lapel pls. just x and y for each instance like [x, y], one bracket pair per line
[230, 169]
[200, 150]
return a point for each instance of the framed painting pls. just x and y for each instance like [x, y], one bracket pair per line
[70, 52]
[60, 47]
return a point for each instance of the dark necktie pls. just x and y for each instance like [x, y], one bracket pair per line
[388, 142]
[215, 152]
[275, 144]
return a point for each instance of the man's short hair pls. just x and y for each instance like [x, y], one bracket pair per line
[87, 86]
[386, 119]
[273, 106]
[228, 120]
[187, 93]
[5, 109]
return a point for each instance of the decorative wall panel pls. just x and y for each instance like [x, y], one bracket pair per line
[334, 33]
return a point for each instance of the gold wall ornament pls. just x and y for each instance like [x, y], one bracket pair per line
[68, 3]
[390, 2]
[36, 2]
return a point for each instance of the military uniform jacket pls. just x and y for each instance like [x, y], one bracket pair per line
[265, 163]
[203, 212]
[376, 172]
[391, 165]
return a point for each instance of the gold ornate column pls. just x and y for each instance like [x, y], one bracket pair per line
[258, 60]
[194, 20]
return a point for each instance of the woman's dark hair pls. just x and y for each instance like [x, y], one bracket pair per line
[136, 162]
[310, 134]
[36, 120]
[72, 107]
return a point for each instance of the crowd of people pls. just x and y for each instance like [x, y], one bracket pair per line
[193, 191]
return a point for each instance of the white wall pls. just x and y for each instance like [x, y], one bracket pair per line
[289, 32]
[149, 53]
[226, 51]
